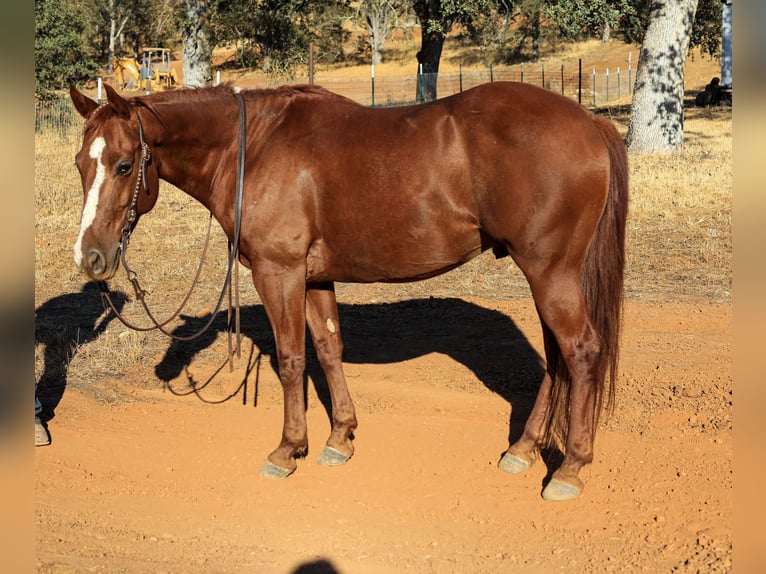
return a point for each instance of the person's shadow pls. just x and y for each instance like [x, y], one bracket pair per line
[486, 341]
[62, 325]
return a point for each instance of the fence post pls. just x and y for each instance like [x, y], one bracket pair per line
[147, 77]
[491, 74]
[100, 85]
[594, 87]
[619, 90]
[311, 63]
[579, 82]
[522, 72]
[461, 76]
[372, 82]
[420, 99]
[562, 79]
[542, 75]
[607, 84]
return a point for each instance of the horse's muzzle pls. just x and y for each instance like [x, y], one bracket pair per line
[98, 265]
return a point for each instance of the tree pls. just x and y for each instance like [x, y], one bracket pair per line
[491, 29]
[234, 23]
[379, 18]
[657, 112]
[61, 56]
[321, 22]
[530, 13]
[197, 50]
[118, 14]
[436, 20]
[117, 27]
[593, 17]
[276, 34]
[707, 30]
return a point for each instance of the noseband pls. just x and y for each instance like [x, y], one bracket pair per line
[127, 230]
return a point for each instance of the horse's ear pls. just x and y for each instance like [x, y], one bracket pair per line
[118, 103]
[82, 103]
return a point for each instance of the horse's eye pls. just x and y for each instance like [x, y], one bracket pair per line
[124, 168]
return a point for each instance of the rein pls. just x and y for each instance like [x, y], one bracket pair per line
[233, 263]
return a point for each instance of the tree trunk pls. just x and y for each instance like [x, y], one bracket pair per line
[378, 16]
[657, 113]
[536, 36]
[112, 37]
[726, 44]
[430, 53]
[197, 55]
[606, 32]
[115, 31]
[431, 44]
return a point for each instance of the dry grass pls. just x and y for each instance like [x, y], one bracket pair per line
[679, 233]
[679, 244]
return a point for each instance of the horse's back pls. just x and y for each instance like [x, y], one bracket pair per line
[405, 193]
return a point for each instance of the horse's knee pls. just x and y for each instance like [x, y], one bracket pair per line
[291, 366]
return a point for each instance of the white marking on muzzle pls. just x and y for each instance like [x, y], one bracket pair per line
[91, 201]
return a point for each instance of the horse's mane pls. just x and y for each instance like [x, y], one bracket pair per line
[209, 94]
[205, 94]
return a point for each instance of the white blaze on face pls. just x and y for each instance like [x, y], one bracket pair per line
[91, 201]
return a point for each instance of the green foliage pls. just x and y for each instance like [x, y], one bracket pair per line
[276, 34]
[61, 55]
[633, 24]
[438, 17]
[706, 32]
[576, 18]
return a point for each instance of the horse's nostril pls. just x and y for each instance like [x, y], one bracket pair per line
[96, 261]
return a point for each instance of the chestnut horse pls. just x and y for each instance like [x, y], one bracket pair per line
[336, 191]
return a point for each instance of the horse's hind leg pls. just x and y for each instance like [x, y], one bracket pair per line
[566, 314]
[324, 325]
[562, 309]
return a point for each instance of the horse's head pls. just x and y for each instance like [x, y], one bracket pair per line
[116, 190]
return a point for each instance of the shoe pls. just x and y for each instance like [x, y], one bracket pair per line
[42, 437]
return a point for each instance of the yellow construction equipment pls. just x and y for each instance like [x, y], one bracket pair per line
[153, 69]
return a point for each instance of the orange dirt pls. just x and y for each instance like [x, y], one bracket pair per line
[152, 481]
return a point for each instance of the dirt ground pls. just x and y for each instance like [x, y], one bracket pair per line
[166, 479]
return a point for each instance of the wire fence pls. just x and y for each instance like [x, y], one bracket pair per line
[591, 88]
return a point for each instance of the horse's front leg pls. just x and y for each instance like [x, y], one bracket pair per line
[283, 295]
[324, 324]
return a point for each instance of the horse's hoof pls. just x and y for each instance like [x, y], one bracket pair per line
[271, 470]
[558, 491]
[332, 457]
[514, 464]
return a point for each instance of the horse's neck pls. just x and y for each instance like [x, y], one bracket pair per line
[184, 156]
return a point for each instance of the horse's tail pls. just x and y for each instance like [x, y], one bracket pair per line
[602, 284]
[604, 268]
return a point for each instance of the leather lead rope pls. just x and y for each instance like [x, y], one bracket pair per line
[237, 228]
[233, 263]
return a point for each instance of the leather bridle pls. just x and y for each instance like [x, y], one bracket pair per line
[233, 263]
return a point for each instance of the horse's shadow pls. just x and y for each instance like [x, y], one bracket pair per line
[487, 342]
[62, 325]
